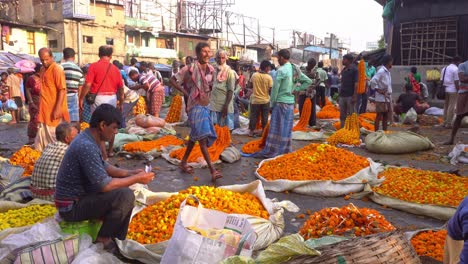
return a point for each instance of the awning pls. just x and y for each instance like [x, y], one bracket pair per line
[23, 25]
[141, 30]
[8, 60]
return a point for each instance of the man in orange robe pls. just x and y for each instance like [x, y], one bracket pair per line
[53, 107]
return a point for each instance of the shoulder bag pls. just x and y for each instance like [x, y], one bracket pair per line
[91, 97]
[441, 87]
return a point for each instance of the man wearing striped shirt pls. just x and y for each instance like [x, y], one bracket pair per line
[74, 79]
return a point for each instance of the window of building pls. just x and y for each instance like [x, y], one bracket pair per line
[53, 44]
[109, 11]
[31, 43]
[130, 39]
[190, 45]
[115, 2]
[145, 40]
[109, 41]
[87, 39]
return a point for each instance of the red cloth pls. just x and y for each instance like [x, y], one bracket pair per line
[97, 72]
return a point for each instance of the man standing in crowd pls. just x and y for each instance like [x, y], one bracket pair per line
[221, 99]
[382, 84]
[282, 101]
[311, 91]
[261, 82]
[89, 188]
[322, 78]
[462, 101]
[132, 66]
[198, 82]
[349, 83]
[75, 79]
[46, 167]
[452, 84]
[105, 81]
[14, 85]
[53, 105]
[155, 72]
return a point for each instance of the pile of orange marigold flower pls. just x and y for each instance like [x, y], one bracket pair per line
[349, 134]
[366, 120]
[156, 222]
[145, 146]
[25, 157]
[222, 142]
[423, 187]
[329, 112]
[430, 243]
[258, 144]
[314, 162]
[175, 110]
[140, 107]
[345, 221]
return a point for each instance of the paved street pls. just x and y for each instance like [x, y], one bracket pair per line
[170, 179]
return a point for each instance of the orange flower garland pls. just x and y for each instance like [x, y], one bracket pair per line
[175, 110]
[430, 243]
[25, 157]
[256, 145]
[314, 162]
[349, 134]
[345, 221]
[362, 77]
[156, 222]
[305, 116]
[329, 112]
[145, 146]
[222, 142]
[423, 187]
[140, 107]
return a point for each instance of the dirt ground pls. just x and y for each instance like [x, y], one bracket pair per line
[170, 179]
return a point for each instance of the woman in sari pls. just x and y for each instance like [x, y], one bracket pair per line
[33, 89]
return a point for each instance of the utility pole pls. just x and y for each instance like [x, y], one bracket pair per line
[274, 36]
[258, 32]
[331, 45]
[245, 45]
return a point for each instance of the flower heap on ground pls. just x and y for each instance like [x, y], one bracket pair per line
[349, 134]
[25, 157]
[430, 243]
[258, 144]
[156, 222]
[25, 216]
[347, 221]
[175, 110]
[222, 142]
[145, 146]
[423, 187]
[140, 107]
[314, 162]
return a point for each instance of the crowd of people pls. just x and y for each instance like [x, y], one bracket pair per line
[73, 170]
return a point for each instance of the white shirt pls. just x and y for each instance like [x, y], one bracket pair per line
[451, 75]
[382, 80]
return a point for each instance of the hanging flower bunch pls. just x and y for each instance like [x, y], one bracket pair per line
[175, 110]
[349, 134]
[305, 116]
[256, 145]
[140, 107]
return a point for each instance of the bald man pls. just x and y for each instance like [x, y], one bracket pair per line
[53, 107]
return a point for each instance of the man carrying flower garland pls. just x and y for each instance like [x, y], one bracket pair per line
[198, 82]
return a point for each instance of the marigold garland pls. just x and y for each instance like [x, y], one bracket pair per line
[140, 107]
[362, 77]
[366, 120]
[423, 187]
[83, 126]
[175, 110]
[25, 157]
[329, 112]
[305, 116]
[222, 142]
[145, 146]
[348, 220]
[156, 222]
[349, 134]
[257, 145]
[430, 243]
[314, 162]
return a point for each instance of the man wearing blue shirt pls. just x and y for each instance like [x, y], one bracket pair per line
[89, 188]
